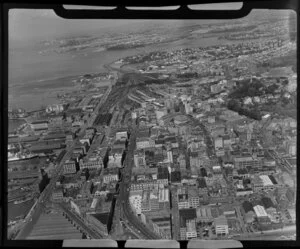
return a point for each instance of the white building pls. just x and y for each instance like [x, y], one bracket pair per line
[91, 165]
[115, 158]
[218, 143]
[267, 183]
[121, 135]
[159, 114]
[69, 167]
[110, 175]
[135, 200]
[142, 143]
[191, 231]
[55, 108]
[133, 115]
[139, 159]
[163, 195]
[183, 201]
[221, 225]
[170, 156]
[260, 211]
[94, 203]
[39, 125]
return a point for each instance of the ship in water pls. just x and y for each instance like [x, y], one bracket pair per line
[23, 200]
[19, 157]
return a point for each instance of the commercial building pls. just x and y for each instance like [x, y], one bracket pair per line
[57, 195]
[163, 176]
[163, 198]
[183, 201]
[221, 225]
[86, 189]
[162, 227]
[142, 143]
[267, 182]
[115, 158]
[247, 161]
[135, 200]
[261, 213]
[193, 197]
[218, 142]
[110, 174]
[191, 231]
[119, 144]
[39, 125]
[91, 164]
[204, 214]
[69, 167]
[154, 204]
[139, 158]
[122, 135]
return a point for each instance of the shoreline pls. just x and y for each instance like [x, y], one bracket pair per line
[102, 59]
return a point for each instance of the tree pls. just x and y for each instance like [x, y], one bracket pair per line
[233, 105]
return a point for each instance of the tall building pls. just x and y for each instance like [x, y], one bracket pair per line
[291, 148]
[69, 167]
[218, 143]
[91, 164]
[191, 231]
[183, 201]
[246, 161]
[140, 159]
[162, 226]
[221, 225]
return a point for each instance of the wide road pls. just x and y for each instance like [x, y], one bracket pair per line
[80, 222]
[280, 161]
[124, 192]
[241, 220]
[175, 214]
[32, 218]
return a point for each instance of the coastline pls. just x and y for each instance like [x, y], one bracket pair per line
[32, 91]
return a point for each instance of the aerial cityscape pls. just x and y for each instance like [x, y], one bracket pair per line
[153, 129]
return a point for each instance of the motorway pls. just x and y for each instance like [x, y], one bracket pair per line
[132, 233]
[280, 161]
[175, 214]
[124, 192]
[241, 220]
[82, 223]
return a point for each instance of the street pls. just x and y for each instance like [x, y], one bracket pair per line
[124, 193]
[80, 222]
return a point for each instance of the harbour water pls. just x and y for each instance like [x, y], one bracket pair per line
[13, 124]
[54, 73]
[16, 210]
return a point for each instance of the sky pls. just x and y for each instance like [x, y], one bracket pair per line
[31, 24]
